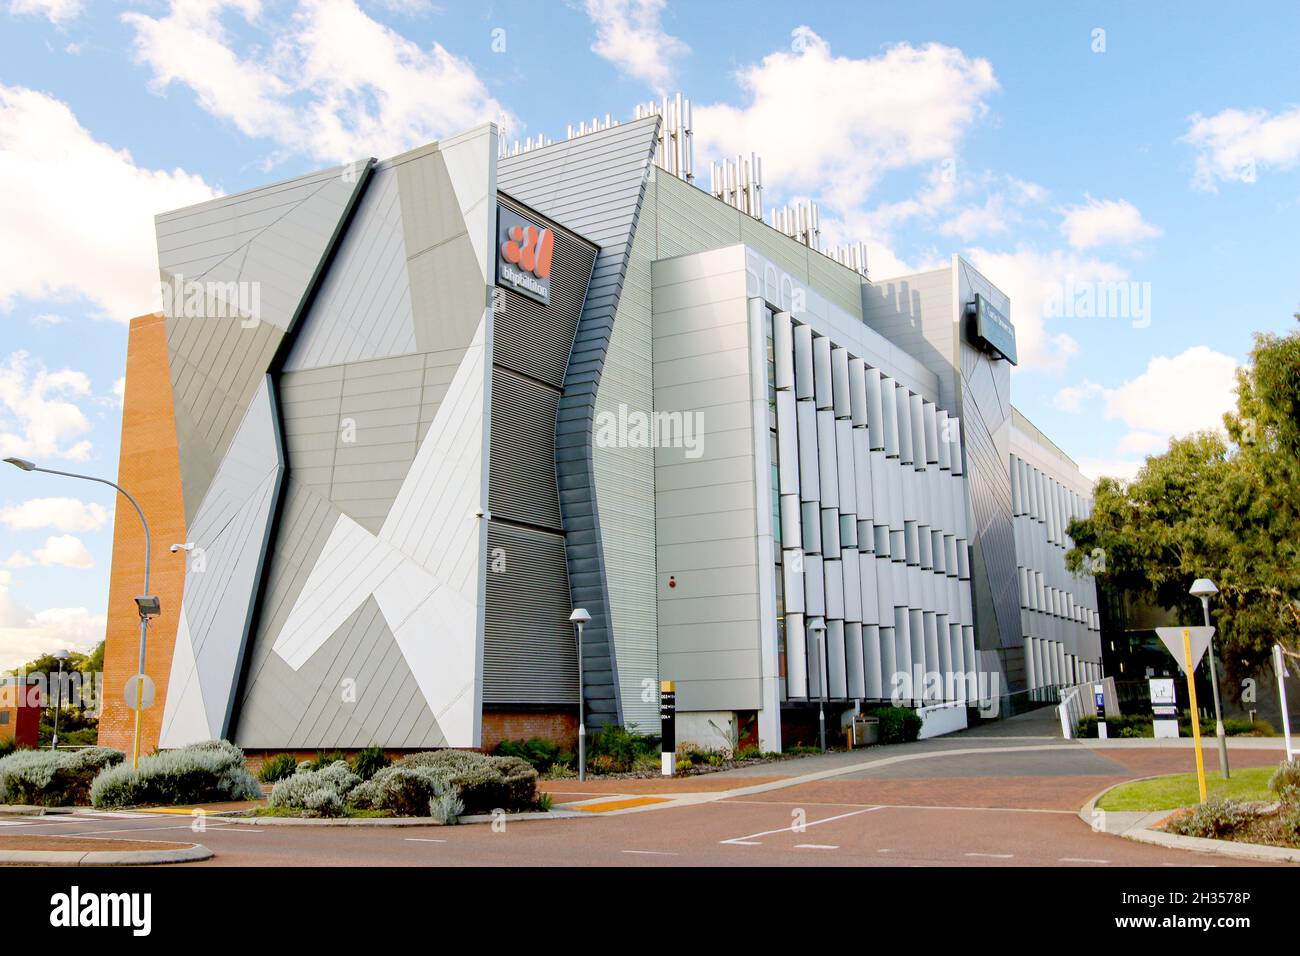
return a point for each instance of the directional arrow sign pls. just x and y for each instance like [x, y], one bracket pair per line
[1172, 638]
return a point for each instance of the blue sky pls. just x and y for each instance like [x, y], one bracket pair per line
[1056, 147]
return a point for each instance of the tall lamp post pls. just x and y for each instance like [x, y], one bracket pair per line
[147, 604]
[819, 630]
[581, 617]
[1204, 589]
[59, 656]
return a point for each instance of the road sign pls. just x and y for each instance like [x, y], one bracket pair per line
[1164, 707]
[1172, 638]
[145, 692]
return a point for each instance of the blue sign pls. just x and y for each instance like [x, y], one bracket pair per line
[993, 330]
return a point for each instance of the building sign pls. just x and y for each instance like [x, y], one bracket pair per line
[992, 330]
[524, 251]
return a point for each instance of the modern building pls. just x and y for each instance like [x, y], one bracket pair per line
[401, 417]
[21, 701]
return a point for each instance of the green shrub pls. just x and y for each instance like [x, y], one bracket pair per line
[7, 747]
[324, 759]
[53, 778]
[545, 802]
[1215, 818]
[1285, 781]
[277, 768]
[321, 792]
[199, 773]
[369, 762]
[749, 753]
[404, 790]
[622, 745]
[483, 782]
[898, 724]
[540, 754]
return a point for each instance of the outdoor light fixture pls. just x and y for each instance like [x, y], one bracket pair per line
[60, 656]
[580, 616]
[187, 546]
[147, 603]
[1204, 589]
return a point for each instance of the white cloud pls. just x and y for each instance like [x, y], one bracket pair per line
[1142, 443]
[1032, 279]
[1073, 397]
[629, 35]
[1177, 395]
[1124, 469]
[1105, 221]
[78, 213]
[333, 84]
[119, 390]
[56, 11]
[839, 124]
[39, 415]
[47, 318]
[59, 551]
[25, 636]
[1233, 145]
[62, 514]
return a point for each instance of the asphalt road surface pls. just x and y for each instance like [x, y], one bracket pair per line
[968, 800]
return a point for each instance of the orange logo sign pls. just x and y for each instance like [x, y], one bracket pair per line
[529, 247]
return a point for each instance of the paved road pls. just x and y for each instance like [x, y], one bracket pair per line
[968, 800]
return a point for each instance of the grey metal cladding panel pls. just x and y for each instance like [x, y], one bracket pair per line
[430, 212]
[522, 484]
[230, 528]
[985, 433]
[270, 703]
[840, 284]
[448, 295]
[558, 182]
[537, 340]
[279, 253]
[217, 367]
[363, 309]
[529, 651]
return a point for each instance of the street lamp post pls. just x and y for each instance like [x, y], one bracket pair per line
[1204, 589]
[581, 617]
[59, 656]
[819, 630]
[146, 603]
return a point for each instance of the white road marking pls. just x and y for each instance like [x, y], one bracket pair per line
[815, 846]
[993, 856]
[423, 840]
[179, 826]
[1080, 859]
[793, 828]
[884, 851]
[651, 852]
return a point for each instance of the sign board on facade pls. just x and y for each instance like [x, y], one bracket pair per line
[668, 726]
[991, 328]
[524, 253]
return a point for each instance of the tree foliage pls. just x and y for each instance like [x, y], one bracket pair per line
[1223, 508]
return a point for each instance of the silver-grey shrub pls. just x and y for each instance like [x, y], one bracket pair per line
[199, 773]
[321, 792]
[482, 782]
[406, 791]
[53, 778]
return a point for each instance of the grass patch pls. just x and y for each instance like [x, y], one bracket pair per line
[293, 812]
[1180, 790]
